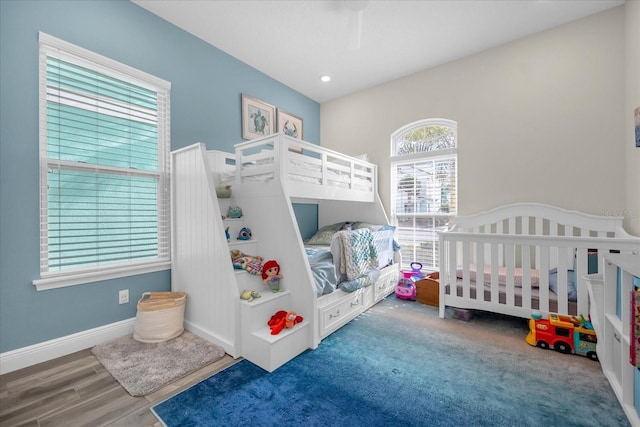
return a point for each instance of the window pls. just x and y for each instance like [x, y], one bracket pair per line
[104, 153]
[423, 187]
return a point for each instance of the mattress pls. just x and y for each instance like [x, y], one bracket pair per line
[535, 296]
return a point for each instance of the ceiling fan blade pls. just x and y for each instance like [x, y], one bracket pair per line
[355, 30]
[356, 8]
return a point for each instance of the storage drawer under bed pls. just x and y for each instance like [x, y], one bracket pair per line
[339, 312]
[387, 281]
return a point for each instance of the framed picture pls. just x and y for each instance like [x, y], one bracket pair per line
[289, 124]
[258, 118]
[636, 122]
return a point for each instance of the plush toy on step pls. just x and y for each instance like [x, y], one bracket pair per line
[241, 261]
[291, 319]
[223, 191]
[234, 212]
[244, 234]
[249, 295]
[271, 275]
[283, 319]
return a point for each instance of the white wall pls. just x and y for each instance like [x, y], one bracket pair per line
[632, 55]
[539, 119]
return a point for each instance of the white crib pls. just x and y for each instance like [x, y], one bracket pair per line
[507, 260]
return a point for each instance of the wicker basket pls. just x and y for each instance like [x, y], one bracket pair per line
[160, 316]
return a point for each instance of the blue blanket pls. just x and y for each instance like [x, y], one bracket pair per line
[322, 269]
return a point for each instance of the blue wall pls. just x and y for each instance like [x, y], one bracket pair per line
[205, 107]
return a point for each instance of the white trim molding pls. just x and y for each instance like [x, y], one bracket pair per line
[37, 353]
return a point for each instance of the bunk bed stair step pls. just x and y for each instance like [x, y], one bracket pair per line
[272, 351]
[280, 299]
[246, 246]
[246, 280]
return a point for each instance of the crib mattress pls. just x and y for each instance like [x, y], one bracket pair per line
[535, 296]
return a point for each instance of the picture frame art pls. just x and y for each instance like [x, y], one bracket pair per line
[289, 125]
[636, 123]
[258, 118]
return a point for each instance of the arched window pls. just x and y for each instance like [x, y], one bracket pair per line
[423, 187]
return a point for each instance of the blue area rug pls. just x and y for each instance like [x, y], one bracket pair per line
[398, 364]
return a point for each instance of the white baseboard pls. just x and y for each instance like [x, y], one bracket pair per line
[48, 350]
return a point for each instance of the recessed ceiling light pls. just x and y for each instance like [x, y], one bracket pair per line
[325, 78]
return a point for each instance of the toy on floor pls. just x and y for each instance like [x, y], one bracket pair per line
[271, 275]
[416, 270]
[283, 319]
[565, 334]
[406, 286]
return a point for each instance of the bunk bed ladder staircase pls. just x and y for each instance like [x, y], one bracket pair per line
[201, 267]
[257, 344]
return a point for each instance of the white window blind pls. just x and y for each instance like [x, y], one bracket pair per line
[104, 149]
[423, 184]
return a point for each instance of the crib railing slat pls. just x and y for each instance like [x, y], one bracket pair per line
[526, 276]
[510, 258]
[544, 279]
[480, 272]
[561, 283]
[495, 291]
[466, 280]
[582, 268]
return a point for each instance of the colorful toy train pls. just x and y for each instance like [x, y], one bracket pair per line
[565, 334]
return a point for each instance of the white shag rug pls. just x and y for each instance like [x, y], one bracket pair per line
[142, 368]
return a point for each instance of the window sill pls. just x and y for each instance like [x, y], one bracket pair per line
[55, 282]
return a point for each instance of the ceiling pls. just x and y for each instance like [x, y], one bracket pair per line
[298, 41]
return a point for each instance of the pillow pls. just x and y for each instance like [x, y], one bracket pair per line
[572, 291]
[502, 275]
[324, 235]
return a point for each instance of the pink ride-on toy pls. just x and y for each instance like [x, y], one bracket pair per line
[406, 286]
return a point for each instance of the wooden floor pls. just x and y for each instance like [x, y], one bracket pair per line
[76, 390]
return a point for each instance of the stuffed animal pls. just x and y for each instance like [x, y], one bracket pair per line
[271, 275]
[283, 319]
[234, 212]
[244, 234]
[291, 319]
[242, 261]
[249, 295]
[223, 191]
[346, 226]
[226, 233]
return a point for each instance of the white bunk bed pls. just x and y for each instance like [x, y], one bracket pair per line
[526, 256]
[267, 175]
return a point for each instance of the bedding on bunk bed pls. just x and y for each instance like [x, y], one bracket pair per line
[349, 255]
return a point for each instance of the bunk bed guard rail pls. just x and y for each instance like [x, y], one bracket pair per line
[305, 169]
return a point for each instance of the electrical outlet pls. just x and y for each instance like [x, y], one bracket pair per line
[123, 296]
